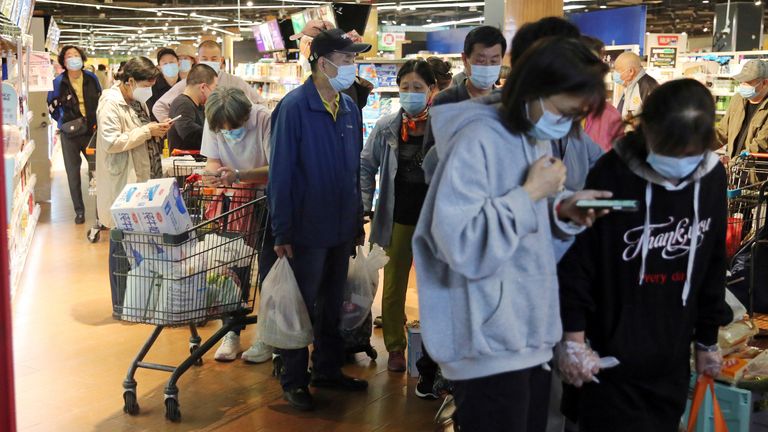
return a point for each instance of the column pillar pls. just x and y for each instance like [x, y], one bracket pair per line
[509, 15]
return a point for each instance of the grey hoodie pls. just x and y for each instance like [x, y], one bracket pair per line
[487, 279]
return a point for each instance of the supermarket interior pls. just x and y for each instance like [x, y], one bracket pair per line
[200, 193]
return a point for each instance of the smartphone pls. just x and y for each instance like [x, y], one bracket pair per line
[205, 173]
[174, 119]
[606, 204]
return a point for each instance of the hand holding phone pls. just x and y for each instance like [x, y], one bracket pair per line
[173, 119]
[608, 204]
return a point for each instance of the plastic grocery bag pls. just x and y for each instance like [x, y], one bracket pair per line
[362, 283]
[143, 286]
[283, 318]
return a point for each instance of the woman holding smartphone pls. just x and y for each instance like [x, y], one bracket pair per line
[643, 286]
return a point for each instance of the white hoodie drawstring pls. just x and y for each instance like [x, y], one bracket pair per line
[694, 242]
[646, 230]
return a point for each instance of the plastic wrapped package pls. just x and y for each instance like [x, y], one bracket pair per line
[736, 334]
[224, 292]
[738, 309]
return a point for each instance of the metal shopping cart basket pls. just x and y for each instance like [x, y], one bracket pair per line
[208, 272]
[747, 173]
[183, 168]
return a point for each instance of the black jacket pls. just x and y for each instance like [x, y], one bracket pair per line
[64, 105]
[159, 89]
[646, 326]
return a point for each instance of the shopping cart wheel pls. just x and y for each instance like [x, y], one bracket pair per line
[372, 353]
[131, 406]
[94, 234]
[192, 348]
[172, 412]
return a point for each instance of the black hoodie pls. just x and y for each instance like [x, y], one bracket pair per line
[649, 327]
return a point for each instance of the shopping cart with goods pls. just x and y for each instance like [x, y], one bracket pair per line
[206, 273]
[187, 163]
[747, 234]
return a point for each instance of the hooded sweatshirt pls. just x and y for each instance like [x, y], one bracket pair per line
[644, 285]
[487, 272]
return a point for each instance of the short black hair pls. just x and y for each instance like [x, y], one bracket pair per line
[66, 48]
[552, 66]
[201, 74]
[486, 36]
[421, 67]
[102, 67]
[140, 69]
[164, 52]
[676, 116]
[529, 33]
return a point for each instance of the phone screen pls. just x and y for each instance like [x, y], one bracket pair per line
[616, 205]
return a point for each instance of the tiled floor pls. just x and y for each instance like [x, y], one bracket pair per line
[71, 358]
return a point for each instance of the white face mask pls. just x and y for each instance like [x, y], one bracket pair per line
[216, 66]
[142, 94]
[484, 77]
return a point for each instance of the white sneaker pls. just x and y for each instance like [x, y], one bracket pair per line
[259, 352]
[229, 348]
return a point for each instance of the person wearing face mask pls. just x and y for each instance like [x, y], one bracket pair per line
[72, 103]
[316, 207]
[644, 287]
[125, 132]
[187, 131]
[208, 53]
[483, 243]
[744, 125]
[236, 142]
[168, 63]
[187, 59]
[629, 73]
[393, 151]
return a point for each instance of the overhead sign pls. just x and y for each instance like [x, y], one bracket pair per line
[388, 40]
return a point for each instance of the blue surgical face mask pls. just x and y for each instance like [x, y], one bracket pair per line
[345, 76]
[617, 78]
[484, 77]
[550, 126]
[413, 103]
[747, 91]
[185, 65]
[673, 168]
[233, 136]
[74, 63]
[171, 70]
[216, 66]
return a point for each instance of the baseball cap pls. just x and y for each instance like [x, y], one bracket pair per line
[337, 40]
[186, 50]
[752, 70]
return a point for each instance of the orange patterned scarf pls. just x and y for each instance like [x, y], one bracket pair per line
[410, 123]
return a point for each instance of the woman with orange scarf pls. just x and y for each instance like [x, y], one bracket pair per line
[393, 151]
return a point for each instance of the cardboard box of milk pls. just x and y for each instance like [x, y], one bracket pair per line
[161, 209]
[124, 207]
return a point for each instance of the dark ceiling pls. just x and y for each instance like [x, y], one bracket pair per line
[120, 24]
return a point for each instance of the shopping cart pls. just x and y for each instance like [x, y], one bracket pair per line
[747, 173]
[208, 272]
[94, 233]
[183, 168]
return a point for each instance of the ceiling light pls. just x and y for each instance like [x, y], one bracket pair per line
[429, 20]
[213, 32]
[412, 8]
[402, 24]
[705, 1]
[758, 3]
[573, 7]
[159, 13]
[250, 3]
[603, 7]
[706, 29]
[457, 22]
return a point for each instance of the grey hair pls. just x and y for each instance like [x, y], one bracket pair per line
[227, 106]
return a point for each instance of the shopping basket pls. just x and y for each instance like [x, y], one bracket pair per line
[208, 272]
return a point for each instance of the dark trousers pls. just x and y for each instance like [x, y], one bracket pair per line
[509, 402]
[321, 274]
[426, 366]
[73, 149]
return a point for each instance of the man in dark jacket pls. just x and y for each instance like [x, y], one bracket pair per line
[316, 206]
[629, 73]
[72, 103]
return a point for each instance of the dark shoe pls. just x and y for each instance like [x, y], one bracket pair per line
[300, 398]
[424, 388]
[396, 362]
[80, 219]
[342, 382]
[378, 322]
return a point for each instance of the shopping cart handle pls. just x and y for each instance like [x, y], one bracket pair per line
[179, 152]
[734, 193]
[754, 155]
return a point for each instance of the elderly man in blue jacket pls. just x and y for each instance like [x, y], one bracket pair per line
[316, 206]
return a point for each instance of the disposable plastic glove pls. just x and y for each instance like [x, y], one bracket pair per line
[709, 363]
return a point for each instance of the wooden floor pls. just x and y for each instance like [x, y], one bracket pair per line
[71, 358]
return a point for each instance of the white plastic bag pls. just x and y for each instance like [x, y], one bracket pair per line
[283, 318]
[362, 283]
[736, 306]
[142, 293]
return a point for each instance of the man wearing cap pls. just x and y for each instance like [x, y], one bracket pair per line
[315, 204]
[744, 125]
[187, 59]
[209, 53]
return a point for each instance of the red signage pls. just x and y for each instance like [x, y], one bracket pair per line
[667, 40]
